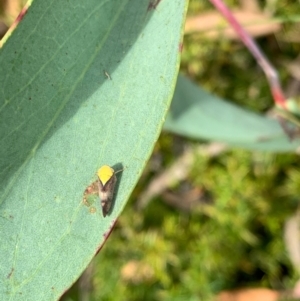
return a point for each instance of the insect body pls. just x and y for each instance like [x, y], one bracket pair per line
[106, 184]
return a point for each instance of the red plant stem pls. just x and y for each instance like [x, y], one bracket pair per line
[264, 63]
[15, 23]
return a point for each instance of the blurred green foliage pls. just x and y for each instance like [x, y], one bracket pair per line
[236, 240]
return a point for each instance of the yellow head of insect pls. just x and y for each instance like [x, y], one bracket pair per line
[105, 173]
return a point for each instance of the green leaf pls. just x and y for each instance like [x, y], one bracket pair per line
[199, 115]
[84, 83]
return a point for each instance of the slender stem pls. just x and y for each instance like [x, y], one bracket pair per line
[264, 63]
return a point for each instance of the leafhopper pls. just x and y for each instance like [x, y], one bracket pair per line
[106, 185]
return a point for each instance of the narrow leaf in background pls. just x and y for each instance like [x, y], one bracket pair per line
[199, 115]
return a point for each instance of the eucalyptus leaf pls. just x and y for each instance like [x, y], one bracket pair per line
[83, 84]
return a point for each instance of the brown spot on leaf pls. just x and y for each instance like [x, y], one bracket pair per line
[10, 273]
[92, 210]
[90, 190]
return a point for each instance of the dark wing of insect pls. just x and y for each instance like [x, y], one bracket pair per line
[106, 193]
